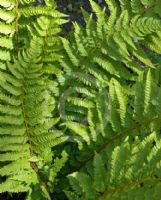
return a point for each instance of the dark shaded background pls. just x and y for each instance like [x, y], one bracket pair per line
[73, 9]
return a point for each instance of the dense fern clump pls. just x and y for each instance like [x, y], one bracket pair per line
[125, 170]
[80, 116]
[112, 46]
[112, 97]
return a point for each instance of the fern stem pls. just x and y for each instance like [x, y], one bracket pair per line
[33, 164]
[147, 181]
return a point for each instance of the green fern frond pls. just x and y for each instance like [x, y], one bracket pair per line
[122, 180]
[25, 108]
[108, 47]
[99, 90]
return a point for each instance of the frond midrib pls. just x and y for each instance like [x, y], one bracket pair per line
[146, 181]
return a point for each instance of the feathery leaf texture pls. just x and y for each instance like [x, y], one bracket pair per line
[25, 126]
[112, 46]
[27, 131]
[132, 172]
[98, 91]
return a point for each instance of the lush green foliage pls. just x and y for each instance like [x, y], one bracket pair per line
[80, 116]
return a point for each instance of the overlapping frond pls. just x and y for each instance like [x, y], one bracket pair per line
[116, 114]
[131, 172]
[110, 47]
[100, 89]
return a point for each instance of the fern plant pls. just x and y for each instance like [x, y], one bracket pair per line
[112, 46]
[83, 94]
[27, 103]
[126, 162]
[88, 105]
[97, 121]
[117, 112]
